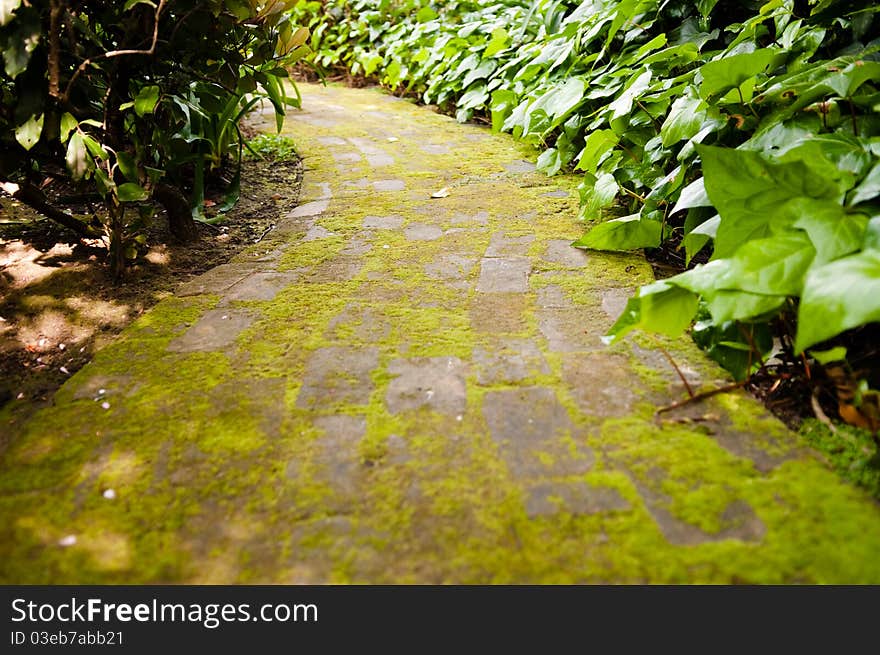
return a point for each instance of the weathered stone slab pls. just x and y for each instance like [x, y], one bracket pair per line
[579, 497]
[563, 253]
[502, 245]
[331, 141]
[450, 267]
[338, 462]
[365, 324]
[433, 149]
[422, 232]
[339, 269]
[601, 384]
[433, 382]
[568, 329]
[559, 193]
[217, 280]
[317, 232]
[499, 313]
[260, 286]
[504, 275]
[530, 427]
[479, 218]
[375, 156]
[509, 361]
[614, 302]
[520, 166]
[338, 375]
[314, 208]
[346, 157]
[217, 329]
[552, 296]
[389, 185]
[393, 222]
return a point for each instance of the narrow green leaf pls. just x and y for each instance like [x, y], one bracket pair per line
[685, 119]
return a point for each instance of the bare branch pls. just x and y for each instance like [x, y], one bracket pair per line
[119, 53]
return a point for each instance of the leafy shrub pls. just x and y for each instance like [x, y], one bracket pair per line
[135, 100]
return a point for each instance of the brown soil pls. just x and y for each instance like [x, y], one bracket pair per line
[59, 302]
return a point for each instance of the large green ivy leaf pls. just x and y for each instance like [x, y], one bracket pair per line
[29, 133]
[597, 194]
[626, 233]
[748, 190]
[6, 9]
[838, 296]
[622, 105]
[730, 305]
[557, 104]
[659, 307]
[731, 71]
[502, 104]
[772, 266]
[598, 144]
[833, 231]
[869, 188]
[499, 41]
[684, 120]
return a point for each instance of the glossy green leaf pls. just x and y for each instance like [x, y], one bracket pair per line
[833, 231]
[684, 120]
[626, 233]
[146, 99]
[6, 9]
[131, 192]
[598, 144]
[839, 296]
[127, 166]
[660, 308]
[731, 71]
[868, 189]
[78, 162]
[28, 134]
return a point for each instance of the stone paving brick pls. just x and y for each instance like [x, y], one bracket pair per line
[433, 382]
[338, 375]
[504, 275]
[217, 329]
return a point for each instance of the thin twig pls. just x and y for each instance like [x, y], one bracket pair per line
[821, 415]
[118, 53]
[701, 396]
[263, 235]
[678, 371]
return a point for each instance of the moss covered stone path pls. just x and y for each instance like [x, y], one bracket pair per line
[397, 388]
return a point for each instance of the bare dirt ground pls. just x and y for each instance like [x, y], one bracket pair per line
[59, 302]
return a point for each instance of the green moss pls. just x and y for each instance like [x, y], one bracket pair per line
[851, 451]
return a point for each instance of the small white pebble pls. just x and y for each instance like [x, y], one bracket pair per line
[69, 540]
[61, 346]
[386, 246]
[20, 396]
[459, 417]
[224, 317]
[393, 139]
[109, 494]
[64, 370]
[101, 392]
[105, 405]
[41, 343]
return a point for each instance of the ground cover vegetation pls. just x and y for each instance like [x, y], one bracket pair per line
[131, 105]
[737, 141]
